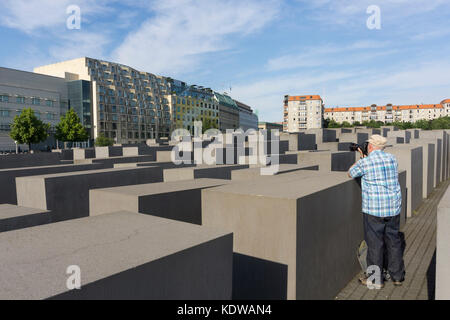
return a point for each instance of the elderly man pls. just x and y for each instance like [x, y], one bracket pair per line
[381, 206]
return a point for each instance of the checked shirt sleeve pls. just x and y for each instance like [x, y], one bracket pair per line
[357, 170]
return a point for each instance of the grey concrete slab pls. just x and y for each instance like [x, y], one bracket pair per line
[253, 173]
[323, 135]
[82, 154]
[66, 154]
[137, 151]
[327, 160]
[358, 137]
[121, 255]
[429, 162]
[443, 248]
[8, 177]
[106, 152]
[67, 194]
[410, 158]
[29, 160]
[14, 217]
[122, 159]
[302, 141]
[331, 146]
[180, 200]
[406, 135]
[202, 171]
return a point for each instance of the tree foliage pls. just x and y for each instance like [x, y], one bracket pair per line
[103, 141]
[435, 124]
[70, 128]
[27, 128]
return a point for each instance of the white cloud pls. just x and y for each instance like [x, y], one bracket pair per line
[330, 55]
[181, 31]
[31, 15]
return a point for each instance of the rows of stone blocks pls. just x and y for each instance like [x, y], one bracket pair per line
[289, 235]
[121, 255]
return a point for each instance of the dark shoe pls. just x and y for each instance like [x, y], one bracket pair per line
[364, 282]
[398, 283]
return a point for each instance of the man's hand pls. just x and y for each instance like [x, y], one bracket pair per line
[361, 153]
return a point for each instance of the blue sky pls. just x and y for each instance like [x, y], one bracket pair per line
[260, 49]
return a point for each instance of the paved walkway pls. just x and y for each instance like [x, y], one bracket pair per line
[420, 258]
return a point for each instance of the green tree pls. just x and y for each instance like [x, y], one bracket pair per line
[70, 129]
[27, 128]
[346, 124]
[333, 124]
[357, 124]
[423, 124]
[103, 141]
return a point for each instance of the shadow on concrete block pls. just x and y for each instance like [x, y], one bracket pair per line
[258, 279]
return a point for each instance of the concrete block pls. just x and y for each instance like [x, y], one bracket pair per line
[13, 217]
[395, 140]
[121, 256]
[67, 194]
[82, 154]
[323, 135]
[131, 151]
[443, 249]
[8, 177]
[202, 171]
[302, 141]
[106, 152]
[177, 200]
[429, 162]
[406, 135]
[253, 173]
[294, 244]
[359, 137]
[66, 154]
[29, 160]
[331, 146]
[327, 160]
[410, 158]
[131, 159]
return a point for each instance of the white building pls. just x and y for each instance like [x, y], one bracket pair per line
[302, 112]
[128, 105]
[388, 113]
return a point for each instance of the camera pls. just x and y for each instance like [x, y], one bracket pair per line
[355, 146]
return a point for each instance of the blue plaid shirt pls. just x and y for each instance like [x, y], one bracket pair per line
[381, 194]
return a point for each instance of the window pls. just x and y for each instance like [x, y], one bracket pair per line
[36, 101]
[4, 113]
[20, 100]
[49, 103]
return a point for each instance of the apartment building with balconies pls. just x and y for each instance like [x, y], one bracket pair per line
[127, 105]
[192, 103]
[302, 113]
[388, 113]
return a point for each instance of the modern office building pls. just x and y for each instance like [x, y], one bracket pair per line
[388, 113]
[228, 112]
[127, 105]
[191, 103]
[46, 95]
[247, 119]
[302, 112]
